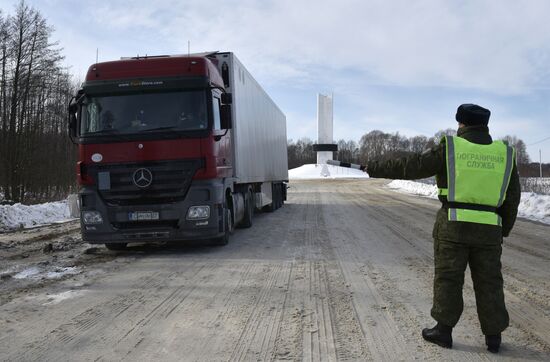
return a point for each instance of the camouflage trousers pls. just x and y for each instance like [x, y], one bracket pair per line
[451, 260]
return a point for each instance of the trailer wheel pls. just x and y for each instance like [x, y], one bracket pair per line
[273, 206]
[116, 246]
[279, 195]
[275, 197]
[248, 210]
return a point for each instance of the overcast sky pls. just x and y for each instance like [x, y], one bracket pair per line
[392, 65]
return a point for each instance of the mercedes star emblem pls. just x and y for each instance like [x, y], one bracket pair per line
[143, 178]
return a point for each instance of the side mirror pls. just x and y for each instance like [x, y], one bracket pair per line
[225, 115]
[227, 98]
[73, 108]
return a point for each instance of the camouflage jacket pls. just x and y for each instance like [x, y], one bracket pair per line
[432, 162]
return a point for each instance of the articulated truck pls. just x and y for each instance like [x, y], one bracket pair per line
[175, 148]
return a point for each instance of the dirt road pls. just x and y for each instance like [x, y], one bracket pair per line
[342, 272]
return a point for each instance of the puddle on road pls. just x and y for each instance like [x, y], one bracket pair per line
[53, 299]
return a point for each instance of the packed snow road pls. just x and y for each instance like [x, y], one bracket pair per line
[342, 272]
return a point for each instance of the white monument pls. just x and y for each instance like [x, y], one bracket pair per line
[325, 144]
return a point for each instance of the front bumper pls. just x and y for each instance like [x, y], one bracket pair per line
[171, 225]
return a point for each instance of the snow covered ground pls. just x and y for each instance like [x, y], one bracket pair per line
[532, 206]
[26, 216]
[316, 171]
[412, 187]
[36, 273]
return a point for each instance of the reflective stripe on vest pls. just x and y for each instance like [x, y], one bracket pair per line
[477, 175]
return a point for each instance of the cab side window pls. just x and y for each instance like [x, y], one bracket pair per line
[216, 112]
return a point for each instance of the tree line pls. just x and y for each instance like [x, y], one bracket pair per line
[381, 146]
[37, 160]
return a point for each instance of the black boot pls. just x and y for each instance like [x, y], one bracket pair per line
[440, 335]
[493, 342]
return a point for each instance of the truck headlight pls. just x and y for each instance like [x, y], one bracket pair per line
[92, 217]
[198, 212]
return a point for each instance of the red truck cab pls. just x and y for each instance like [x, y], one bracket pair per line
[155, 160]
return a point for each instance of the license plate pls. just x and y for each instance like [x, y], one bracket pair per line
[143, 215]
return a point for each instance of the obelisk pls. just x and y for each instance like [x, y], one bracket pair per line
[325, 144]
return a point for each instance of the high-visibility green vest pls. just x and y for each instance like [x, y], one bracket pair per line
[478, 177]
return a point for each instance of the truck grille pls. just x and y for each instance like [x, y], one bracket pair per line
[170, 181]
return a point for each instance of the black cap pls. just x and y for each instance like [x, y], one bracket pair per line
[472, 115]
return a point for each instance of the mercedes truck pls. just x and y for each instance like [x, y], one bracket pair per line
[174, 148]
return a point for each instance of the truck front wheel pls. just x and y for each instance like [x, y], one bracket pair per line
[248, 210]
[228, 228]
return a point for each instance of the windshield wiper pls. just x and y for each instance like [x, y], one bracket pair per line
[159, 128]
[103, 131]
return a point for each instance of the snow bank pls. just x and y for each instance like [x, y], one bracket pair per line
[316, 171]
[25, 216]
[532, 206]
[535, 207]
[413, 187]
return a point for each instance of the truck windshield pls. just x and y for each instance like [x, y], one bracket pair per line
[148, 112]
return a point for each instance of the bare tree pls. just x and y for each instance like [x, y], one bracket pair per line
[300, 153]
[36, 158]
[347, 151]
[418, 144]
[444, 132]
[522, 157]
